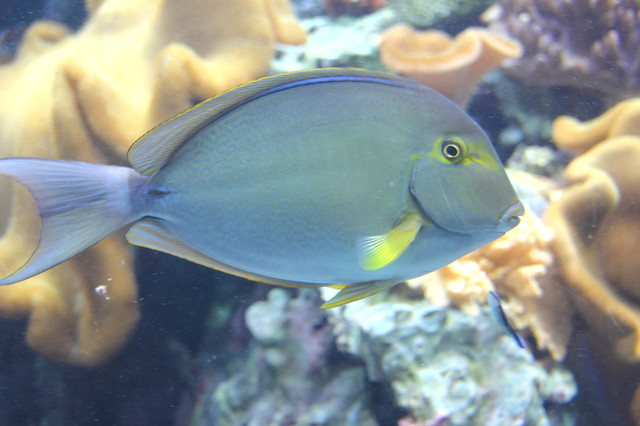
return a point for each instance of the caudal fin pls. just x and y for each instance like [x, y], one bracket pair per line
[79, 204]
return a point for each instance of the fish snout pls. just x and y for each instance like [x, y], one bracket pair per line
[510, 216]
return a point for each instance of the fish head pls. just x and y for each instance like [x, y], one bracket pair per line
[461, 185]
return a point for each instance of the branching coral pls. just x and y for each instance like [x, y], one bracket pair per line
[88, 96]
[519, 266]
[451, 66]
[586, 44]
[597, 223]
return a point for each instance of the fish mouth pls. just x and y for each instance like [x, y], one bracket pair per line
[510, 216]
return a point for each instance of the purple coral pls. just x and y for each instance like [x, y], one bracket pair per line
[593, 44]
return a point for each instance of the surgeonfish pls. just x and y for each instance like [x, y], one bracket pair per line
[328, 177]
[501, 318]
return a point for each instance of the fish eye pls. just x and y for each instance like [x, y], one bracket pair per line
[452, 149]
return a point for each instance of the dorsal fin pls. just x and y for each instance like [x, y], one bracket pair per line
[153, 150]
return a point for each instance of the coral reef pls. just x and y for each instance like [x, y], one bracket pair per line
[287, 377]
[519, 266]
[600, 54]
[308, 366]
[426, 353]
[87, 96]
[327, 44]
[597, 226]
[446, 367]
[451, 66]
[437, 13]
[521, 114]
[352, 7]
[579, 137]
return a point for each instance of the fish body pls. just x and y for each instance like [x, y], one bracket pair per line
[313, 178]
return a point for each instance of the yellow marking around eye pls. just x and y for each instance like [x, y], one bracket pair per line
[437, 155]
[479, 156]
[472, 153]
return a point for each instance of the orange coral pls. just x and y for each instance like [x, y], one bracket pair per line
[597, 222]
[621, 119]
[519, 266]
[87, 96]
[451, 66]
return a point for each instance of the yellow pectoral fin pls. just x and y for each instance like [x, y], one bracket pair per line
[380, 250]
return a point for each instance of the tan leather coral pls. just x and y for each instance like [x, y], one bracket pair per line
[88, 96]
[597, 222]
[452, 66]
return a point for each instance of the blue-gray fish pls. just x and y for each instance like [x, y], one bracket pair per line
[330, 177]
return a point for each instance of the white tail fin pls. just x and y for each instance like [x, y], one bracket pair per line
[79, 204]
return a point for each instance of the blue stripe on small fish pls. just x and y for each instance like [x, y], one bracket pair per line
[503, 321]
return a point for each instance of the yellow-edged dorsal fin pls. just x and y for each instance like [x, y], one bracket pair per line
[153, 150]
[353, 292]
[380, 250]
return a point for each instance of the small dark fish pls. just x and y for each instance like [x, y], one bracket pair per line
[503, 321]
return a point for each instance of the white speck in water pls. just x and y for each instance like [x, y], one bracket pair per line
[101, 290]
[524, 17]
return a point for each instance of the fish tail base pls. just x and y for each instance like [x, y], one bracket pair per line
[79, 204]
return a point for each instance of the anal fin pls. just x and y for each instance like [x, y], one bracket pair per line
[154, 234]
[353, 292]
